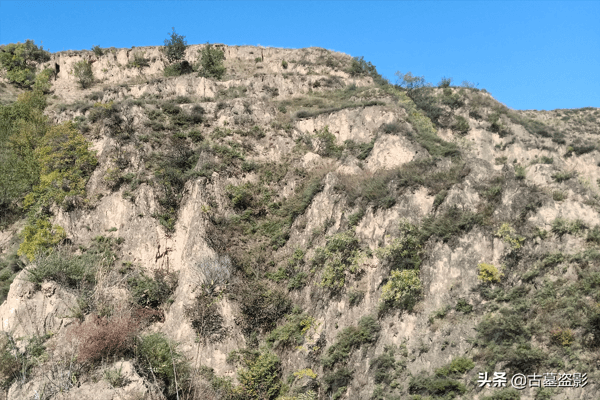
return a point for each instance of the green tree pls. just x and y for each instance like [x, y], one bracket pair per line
[83, 73]
[211, 62]
[22, 125]
[20, 60]
[175, 47]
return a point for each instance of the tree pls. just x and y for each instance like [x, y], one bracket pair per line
[175, 47]
[83, 73]
[409, 81]
[20, 59]
[211, 62]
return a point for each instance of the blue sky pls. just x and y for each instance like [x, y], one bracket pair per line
[529, 55]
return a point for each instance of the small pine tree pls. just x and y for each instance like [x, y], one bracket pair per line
[175, 47]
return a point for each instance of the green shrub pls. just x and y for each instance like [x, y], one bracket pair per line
[98, 51]
[359, 66]
[594, 235]
[284, 64]
[326, 144]
[558, 195]
[404, 252]
[561, 226]
[211, 62]
[520, 172]
[260, 380]
[503, 327]
[463, 306]
[436, 386]
[340, 255]
[65, 269]
[336, 382]
[360, 150]
[291, 334]
[524, 358]
[461, 125]
[178, 68]
[20, 59]
[382, 365]
[488, 273]
[175, 47]
[445, 82]
[39, 236]
[452, 222]
[158, 357]
[509, 235]
[82, 70]
[260, 307]
[402, 290]
[351, 338]
[563, 176]
[355, 218]
[152, 292]
[458, 366]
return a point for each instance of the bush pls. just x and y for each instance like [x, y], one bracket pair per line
[101, 337]
[458, 366]
[82, 70]
[261, 307]
[175, 47]
[211, 62]
[503, 327]
[562, 176]
[206, 319]
[520, 172]
[214, 270]
[291, 334]
[39, 236]
[509, 236]
[487, 273]
[284, 64]
[461, 125]
[463, 306]
[152, 292]
[436, 386]
[338, 381]
[326, 144]
[402, 290]
[452, 222]
[178, 68]
[98, 51]
[341, 254]
[405, 251]
[350, 339]
[65, 269]
[260, 379]
[158, 357]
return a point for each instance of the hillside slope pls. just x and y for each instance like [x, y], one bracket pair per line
[298, 229]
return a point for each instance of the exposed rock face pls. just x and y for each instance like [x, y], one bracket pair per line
[247, 194]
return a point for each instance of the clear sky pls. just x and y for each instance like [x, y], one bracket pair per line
[529, 55]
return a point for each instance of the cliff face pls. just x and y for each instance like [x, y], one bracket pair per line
[307, 232]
